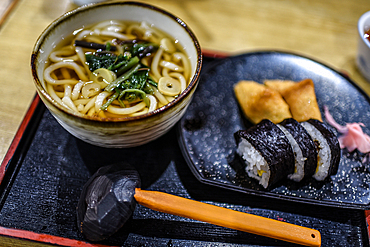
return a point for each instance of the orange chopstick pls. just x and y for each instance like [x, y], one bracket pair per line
[220, 216]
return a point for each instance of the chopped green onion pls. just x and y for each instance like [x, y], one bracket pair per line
[152, 82]
[132, 62]
[108, 46]
[136, 91]
[120, 79]
[110, 100]
[121, 102]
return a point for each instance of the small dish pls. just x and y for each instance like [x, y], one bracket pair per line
[363, 49]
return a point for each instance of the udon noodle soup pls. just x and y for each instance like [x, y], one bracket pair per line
[117, 69]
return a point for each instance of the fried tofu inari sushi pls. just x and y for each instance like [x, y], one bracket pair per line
[302, 101]
[279, 85]
[260, 102]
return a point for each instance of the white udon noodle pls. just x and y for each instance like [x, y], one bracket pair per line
[68, 81]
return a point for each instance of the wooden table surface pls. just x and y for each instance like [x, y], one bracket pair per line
[323, 30]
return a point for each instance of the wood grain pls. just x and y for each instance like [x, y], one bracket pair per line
[6, 6]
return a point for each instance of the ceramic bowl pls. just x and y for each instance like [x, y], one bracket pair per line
[363, 49]
[120, 132]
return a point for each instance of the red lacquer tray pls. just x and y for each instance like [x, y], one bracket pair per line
[45, 168]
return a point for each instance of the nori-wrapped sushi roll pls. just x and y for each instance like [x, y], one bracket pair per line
[266, 152]
[303, 148]
[328, 148]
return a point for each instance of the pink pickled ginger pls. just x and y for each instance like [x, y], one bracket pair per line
[353, 137]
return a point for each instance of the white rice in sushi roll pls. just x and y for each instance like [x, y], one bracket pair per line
[324, 152]
[266, 153]
[256, 165]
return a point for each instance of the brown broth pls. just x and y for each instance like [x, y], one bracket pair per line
[367, 35]
[65, 73]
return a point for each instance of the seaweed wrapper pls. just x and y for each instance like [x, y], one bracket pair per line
[274, 147]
